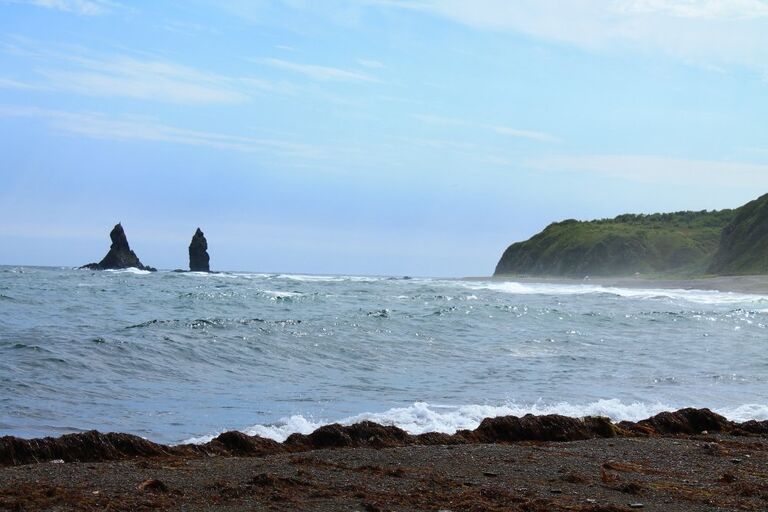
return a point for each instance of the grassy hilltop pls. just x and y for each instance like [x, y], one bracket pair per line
[680, 243]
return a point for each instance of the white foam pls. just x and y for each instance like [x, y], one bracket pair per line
[280, 295]
[321, 278]
[422, 417]
[745, 412]
[695, 296]
[130, 270]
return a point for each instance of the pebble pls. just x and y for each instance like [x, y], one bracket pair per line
[636, 505]
[152, 485]
[57, 461]
[490, 473]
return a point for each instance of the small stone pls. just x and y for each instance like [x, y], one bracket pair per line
[57, 461]
[490, 473]
[636, 505]
[736, 461]
[591, 501]
[556, 491]
[152, 485]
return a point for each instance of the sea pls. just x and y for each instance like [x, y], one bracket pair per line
[181, 357]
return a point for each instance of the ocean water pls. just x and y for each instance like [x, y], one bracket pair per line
[181, 357]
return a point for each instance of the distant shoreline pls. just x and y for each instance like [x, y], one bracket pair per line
[757, 284]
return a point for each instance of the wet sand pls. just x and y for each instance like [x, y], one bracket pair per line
[735, 284]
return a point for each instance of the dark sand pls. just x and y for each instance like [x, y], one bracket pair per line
[735, 284]
[688, 460]
[671, 474]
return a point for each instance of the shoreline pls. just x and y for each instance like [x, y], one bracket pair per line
[691, 459]
[752, 285]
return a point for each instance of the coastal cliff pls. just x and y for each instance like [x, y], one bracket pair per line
[744, 242]
[683, 243]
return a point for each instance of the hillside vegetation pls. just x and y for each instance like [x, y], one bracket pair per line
[664, 243]
[744, 242]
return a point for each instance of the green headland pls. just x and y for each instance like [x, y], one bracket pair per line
[686, 243]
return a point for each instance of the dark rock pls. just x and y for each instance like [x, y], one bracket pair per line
[237, 443]
[120, 254]
[550, 427]
[685, 421]
[365, 433]
[152, 485]
[198, 253]
[94, 446]
[86, 447]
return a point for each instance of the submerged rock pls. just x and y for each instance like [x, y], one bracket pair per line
[120, 254]
[198, 253]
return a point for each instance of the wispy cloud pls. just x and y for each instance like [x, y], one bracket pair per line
[501, 130]
[658, 169]
[321, 73]
[130, 128]
[79, 70]
[710, 33]
[9, 83]
[372, 64]
[81, 7]
[525, 134]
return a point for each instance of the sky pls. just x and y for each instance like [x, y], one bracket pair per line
[384, 137]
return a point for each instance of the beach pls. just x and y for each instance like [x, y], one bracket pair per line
[658, 464]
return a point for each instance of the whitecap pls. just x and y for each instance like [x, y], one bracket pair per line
[422, 417]
[695, 296]
[129, 270]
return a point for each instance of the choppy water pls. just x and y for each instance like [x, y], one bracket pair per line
[175, 357]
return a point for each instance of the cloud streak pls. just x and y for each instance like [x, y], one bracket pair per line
[709, 33]
[320, 73]
[129, 128]
[80, 71]
[80, 7]
[653, 169]
[498, 129]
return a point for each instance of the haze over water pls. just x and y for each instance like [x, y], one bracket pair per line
[176, 357]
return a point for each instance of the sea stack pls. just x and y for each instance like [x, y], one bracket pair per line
[198, 253]
[120, 254]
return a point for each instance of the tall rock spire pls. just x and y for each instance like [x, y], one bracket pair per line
[198, 253]
[120, 254]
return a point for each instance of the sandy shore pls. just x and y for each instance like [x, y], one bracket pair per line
[689, 460]
[703, 473]
[736, 284]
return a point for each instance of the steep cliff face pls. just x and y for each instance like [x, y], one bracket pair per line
[120, 254]
[744, 241]
[681, 242]
[198, 253]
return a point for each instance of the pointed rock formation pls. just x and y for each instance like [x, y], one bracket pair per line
[198, 253]
[120, 254]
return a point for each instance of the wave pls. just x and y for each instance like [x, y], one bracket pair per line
[422, 417]
[129, 270]
[695, 296]
[329, 279]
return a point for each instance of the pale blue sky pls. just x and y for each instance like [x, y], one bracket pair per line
[414, 137]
